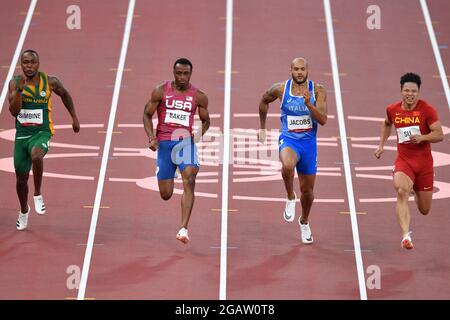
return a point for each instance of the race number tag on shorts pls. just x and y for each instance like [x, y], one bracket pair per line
[299, 123]
[30, 117]
[178, 117]
[404, 134]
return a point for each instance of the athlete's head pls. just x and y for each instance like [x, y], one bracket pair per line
[182, 70]
[299, 70]
[30, 63]
[410, 88]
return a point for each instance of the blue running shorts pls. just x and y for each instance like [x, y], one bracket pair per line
[173, 154]
[306, 150]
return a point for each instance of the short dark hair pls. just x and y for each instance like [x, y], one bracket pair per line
[182, 61]
[31, 51]
[410, 77]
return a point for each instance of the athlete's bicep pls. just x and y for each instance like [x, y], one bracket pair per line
[272, 94]
[321, 99]
[436, 127]
[11, 91]
[387, 122]
[153, 102]
[56, 86]
[202, 104]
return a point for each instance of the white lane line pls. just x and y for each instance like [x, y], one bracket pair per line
[345, 154]
[101, 179]
[437, 53]
[15, 59]
[226, 152]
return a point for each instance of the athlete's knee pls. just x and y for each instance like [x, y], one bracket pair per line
[424, 210]
[22, 178]
[307, 193]
[166, 195]
[287, 168]
[37, 158]
[402, 192]
[189, 180]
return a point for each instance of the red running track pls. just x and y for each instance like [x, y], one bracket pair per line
[135, 254]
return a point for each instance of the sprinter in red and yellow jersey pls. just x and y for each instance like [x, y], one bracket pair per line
[417, 125]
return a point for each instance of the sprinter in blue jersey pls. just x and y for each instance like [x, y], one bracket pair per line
[303, 107]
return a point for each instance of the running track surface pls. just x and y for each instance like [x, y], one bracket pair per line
[135, 254]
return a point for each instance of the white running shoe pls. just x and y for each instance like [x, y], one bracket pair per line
[407, 241]
[183, 235]
[305, 232]
[39, 204]
[22, 221]
[289, 210]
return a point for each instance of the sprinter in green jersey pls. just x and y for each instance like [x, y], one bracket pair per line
[30, 102]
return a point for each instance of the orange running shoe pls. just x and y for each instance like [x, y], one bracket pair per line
[407, 242]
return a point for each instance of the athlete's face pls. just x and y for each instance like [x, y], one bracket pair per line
[299, 70]
[30, 64]
[410, 93]
[182, 74]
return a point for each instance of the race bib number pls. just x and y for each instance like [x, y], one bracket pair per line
[30, 117]
[299, 123]
[177, 117]
[404, 134]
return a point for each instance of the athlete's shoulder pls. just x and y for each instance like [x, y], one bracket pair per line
[318, 87]
[394, 106]
[278, 87]
[426, 105]
[158, 92]
[200, 92]
[160, 87]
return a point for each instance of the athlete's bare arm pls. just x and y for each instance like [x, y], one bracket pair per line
[384, 135]
[149, 110]
[15, 95]
[319, 111]
[436, 134]
[203, 113]
[275, 92]
[58, 88]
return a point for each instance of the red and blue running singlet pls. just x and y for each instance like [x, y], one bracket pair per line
[176, 113]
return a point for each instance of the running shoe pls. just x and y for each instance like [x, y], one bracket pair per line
[305, 232]
[289, 210]
[407, 242]
[22, 221]
[183, 235]
[39, 204]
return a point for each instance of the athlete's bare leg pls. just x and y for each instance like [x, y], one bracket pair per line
[187, 200]
[403, 186]
[423, 201]
[22, 190]
[307, 189]
[166, 188]
[37, 158]
[288, 159]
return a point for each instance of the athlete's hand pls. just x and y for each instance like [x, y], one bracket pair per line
[197, 137]
[21, 83]
[416, 138]
[378, 152]
[307, 97]
[261, 135]
[75, 125]
[153, 144]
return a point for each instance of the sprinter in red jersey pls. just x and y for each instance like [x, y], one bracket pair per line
[417, 125]
[176, 103]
